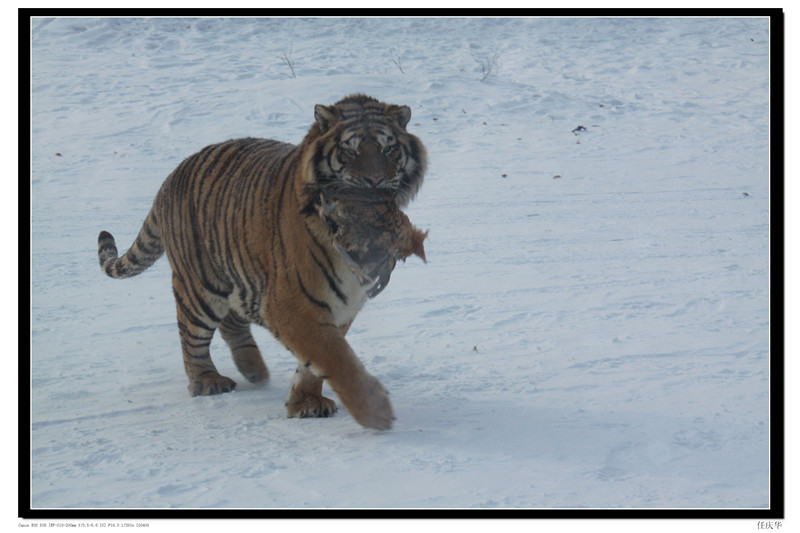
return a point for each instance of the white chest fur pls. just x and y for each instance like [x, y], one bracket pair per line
[354, 293]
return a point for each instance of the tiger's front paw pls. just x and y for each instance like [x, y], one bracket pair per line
[311, 407]
[211, 383]
[370, 405]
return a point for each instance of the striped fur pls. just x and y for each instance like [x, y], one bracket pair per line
[240, 226]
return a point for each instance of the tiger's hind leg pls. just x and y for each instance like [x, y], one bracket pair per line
[305, 396]
[236, 333]
[196, 327]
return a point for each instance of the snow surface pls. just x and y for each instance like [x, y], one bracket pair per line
[592, 326]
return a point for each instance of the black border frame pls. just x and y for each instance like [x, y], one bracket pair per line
[776, 511]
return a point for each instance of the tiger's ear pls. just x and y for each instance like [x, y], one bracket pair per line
[401, 113]
[325, 116]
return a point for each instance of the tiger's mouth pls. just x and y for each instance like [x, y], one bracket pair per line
[360, 193]
[399, 184]
[375, 182]
[368, 187]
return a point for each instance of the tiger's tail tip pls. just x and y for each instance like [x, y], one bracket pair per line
[106, 250]
[104, 236]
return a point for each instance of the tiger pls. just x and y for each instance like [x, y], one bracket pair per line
[239, 222]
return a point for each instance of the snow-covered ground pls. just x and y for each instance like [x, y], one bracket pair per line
[592, 326]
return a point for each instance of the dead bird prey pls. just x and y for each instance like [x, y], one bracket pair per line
[371, 233]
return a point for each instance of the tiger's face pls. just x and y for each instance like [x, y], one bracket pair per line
[363, 145]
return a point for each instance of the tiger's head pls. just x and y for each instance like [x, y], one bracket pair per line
[361, 144]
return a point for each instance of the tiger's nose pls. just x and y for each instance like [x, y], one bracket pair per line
[374, 180]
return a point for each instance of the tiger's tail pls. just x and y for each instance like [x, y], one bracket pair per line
[144, 251]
